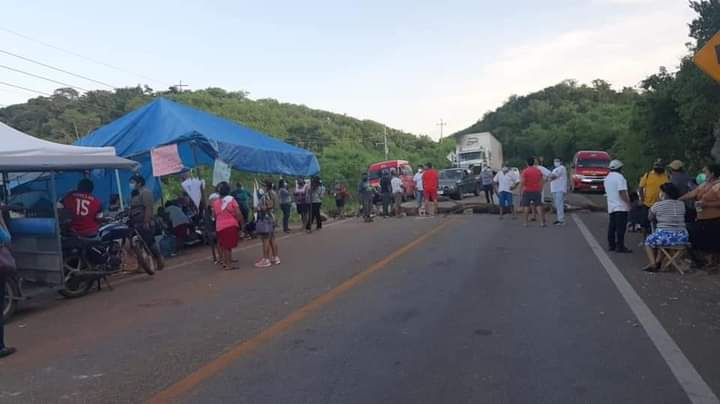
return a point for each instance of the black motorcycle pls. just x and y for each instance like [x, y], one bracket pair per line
[87, 261]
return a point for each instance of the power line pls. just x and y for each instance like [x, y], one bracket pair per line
[25, 88]
[42, 78]
[69, 52]
[57, 69]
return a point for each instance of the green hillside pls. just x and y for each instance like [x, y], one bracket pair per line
[345, 146]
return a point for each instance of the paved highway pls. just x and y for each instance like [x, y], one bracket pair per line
[463, 309]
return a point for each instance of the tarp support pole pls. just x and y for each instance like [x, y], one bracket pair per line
[120, 194]
[58, 235]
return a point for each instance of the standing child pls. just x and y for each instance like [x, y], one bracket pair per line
[341, 196]
[228, 221]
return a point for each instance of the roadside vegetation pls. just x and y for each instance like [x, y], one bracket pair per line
[673, 114]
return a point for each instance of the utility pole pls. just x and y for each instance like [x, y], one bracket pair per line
[77, 135]
[180, 86]
[385, 143]
[442, 125]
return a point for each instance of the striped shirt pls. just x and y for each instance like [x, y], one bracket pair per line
[669, 214]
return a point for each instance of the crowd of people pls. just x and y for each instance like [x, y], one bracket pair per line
[670, 208]
[392, 190]
[238, 214]
[530, 184]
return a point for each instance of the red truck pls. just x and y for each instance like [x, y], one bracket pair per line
[589, 169]
[402, 167]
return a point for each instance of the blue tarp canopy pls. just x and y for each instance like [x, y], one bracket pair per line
[201, 138]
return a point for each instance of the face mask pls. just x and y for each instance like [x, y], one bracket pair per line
[659, 170]
[557, 164]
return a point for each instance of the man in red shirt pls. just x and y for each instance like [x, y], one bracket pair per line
[84, 209]
[430, 188]
[531, 183]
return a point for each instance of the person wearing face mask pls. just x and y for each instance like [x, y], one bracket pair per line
[505, 181]
[649, 190]
[558, 188]
[668, 214]
[141, 215]
[705, 231]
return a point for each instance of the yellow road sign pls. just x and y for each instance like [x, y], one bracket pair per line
[708, 58]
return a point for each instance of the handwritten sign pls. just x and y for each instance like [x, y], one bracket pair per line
[165, 160]
[221, 172]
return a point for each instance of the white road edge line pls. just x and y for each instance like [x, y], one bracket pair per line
[695, 387]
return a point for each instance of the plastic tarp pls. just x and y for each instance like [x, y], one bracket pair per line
[163, 122]
[20, 152]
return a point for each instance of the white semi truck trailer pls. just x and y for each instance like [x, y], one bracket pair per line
[478, 149]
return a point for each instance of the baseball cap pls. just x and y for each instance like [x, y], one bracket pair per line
[616, 165]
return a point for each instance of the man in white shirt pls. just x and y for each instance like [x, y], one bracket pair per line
[618, 202]
[397, 192]
[418, 178]
[558, 188]
[505, 180]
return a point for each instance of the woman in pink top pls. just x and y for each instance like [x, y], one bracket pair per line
[228, 221]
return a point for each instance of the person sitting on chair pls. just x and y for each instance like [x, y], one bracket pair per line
[668, 214]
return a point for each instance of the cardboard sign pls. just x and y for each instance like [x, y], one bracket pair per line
[165, 160]
[221, 172]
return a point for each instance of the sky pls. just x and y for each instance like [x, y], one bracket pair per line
[408, 64]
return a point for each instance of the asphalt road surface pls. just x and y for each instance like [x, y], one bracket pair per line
[463, 309]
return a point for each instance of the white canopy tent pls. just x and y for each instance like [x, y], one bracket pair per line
[37, 241]
[20, 152]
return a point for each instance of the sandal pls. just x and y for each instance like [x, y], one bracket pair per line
[651, 268]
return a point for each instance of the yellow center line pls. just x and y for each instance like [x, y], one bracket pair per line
[175, 391]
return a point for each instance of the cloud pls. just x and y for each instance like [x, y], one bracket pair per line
[622, 53]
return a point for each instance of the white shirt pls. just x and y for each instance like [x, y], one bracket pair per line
[396, 184]
[505, 181]
[418, 181]
[194, 186]
[560, 183]
[546, 173]
[614, 184]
